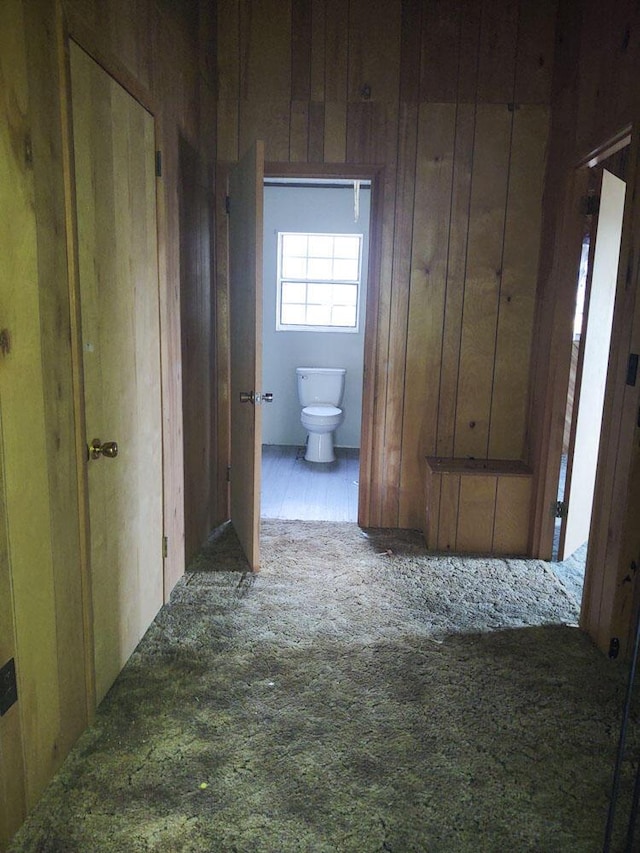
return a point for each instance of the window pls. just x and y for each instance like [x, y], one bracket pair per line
[318, 282]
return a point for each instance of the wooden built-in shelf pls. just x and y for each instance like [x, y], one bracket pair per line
[477, 506]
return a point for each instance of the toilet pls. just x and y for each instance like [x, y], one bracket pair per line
[320, 391]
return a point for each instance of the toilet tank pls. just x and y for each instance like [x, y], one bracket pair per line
[320, 385]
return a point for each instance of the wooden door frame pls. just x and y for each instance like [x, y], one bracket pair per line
[374, 174]
[70, 27]
[602, 604]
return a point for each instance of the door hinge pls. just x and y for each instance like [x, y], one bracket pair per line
[614, 647]
[228, 473]
[8, 686]
[165, 547]
[590, 205]
[158, 164]
[560, 509]
[227, 204]
[632, 368]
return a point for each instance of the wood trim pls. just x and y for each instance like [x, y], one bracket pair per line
[84, 36]
[71, 232]
[375, 174]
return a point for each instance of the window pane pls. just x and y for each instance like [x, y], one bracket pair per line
[292, 315]
[320, 294]
[345, 294]
[293, 292]
[345, 270]
[294, 267]
[294, 244]
[343, 316]
[320, 246]
[319, 315]
[347, 247]
[319, 268]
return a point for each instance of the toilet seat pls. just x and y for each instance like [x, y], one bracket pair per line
[324, 417]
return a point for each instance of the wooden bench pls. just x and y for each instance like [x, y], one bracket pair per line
[477, 506]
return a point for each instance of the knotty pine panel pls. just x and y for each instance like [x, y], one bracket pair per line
[517, 291]
[429, 256]
[497, 51]
[374, 49]
[265, 50]
[482, 280]
[456, 271]
[465, 53]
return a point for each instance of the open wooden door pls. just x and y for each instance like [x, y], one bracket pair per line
[245, 311]
[582, 458]
[114, 155]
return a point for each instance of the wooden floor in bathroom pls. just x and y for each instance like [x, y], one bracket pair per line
[309, 491]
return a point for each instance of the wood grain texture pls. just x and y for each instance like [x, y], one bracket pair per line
[511, 523]
[24, 423]
[476, 514]
[518, 284]
[429, 259]
[483, 278]
[367, 65]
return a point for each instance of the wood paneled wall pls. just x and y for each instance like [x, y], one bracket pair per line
[160, 51]
[596, 99]
[451, 98]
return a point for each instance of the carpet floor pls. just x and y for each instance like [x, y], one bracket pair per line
[358, 694]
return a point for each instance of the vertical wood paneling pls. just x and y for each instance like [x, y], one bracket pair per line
[534, 60]
[497, 51]
[440, 51]
[410, 50]
[449, 504]
[517, 293]
[436, 319]
[316, 132]
[513, 501]
[374, 49]
[483, 276]
[265, 50]
[299, 132]
[318, 25]
[476, 512]
[335, 132]
[456, 271]
[336, 50]
[301, 33]
[429, 256]
[228, 72]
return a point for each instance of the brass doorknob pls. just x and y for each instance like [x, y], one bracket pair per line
[97, 449]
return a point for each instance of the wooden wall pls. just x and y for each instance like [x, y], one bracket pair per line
[451, 98]
[156, 48]
[596, 99]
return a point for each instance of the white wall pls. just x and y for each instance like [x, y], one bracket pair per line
[323, 210]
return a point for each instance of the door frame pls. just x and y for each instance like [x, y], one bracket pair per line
[374, 174]
[607, 603]
[71, 28]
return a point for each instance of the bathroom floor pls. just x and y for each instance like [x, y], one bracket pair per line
[310, 491]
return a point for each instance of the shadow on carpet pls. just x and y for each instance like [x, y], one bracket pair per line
[357, 694]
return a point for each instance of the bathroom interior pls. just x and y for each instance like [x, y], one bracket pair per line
[293, 486]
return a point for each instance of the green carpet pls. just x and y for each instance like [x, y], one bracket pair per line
[356, 695]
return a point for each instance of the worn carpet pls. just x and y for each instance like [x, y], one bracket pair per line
[358, 694]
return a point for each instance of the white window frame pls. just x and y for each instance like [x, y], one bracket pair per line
[289, 327]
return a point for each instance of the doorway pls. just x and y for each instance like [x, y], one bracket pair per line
[323, 326]
[595, 299]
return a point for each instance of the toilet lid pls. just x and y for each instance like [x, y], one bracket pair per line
[322, 411]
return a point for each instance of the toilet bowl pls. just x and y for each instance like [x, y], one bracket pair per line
[320, 392]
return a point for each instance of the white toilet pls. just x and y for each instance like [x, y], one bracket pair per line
[320, 391]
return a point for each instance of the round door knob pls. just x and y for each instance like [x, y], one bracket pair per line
[97, 449]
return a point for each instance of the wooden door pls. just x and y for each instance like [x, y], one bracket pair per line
[583, 450]
[245, 310]
[114, 155]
